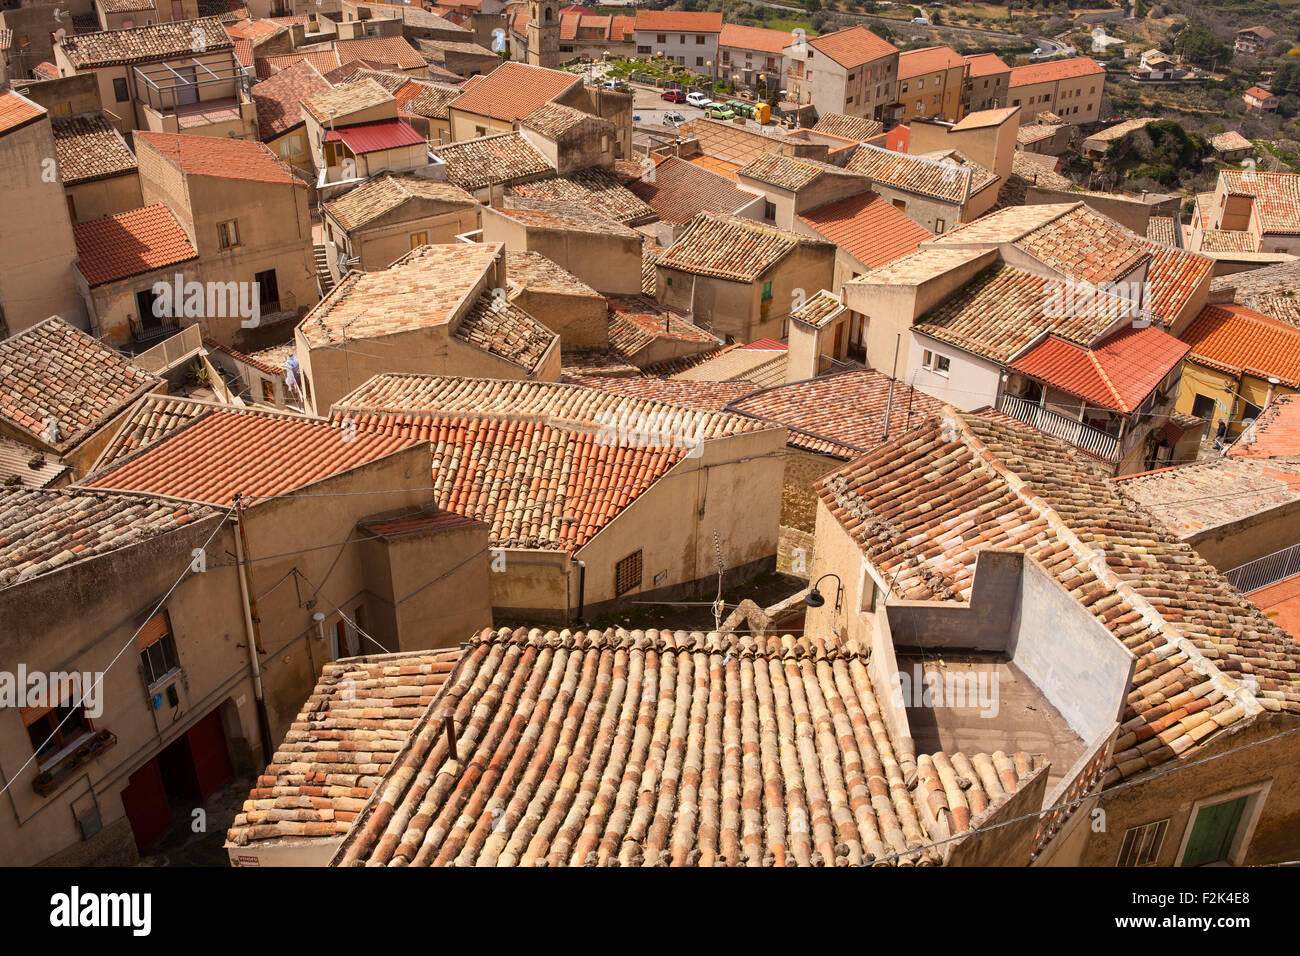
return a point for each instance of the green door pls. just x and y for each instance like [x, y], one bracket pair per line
[1213, 832]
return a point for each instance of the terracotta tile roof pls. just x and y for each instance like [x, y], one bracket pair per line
[536, 272]
[1173, 276]
[1283, 306]
[513, 91]
[1086, 245]
[1226, 142]
[561, 217]
[1005, 225]
[681, 190]
[362, 138]
[740, 37]
[986, 64]
[950, 182]
[508, 332]
[635, 323]
[576, 363]
[346, 99]
[1199, 643]
[156, 416]
[323, 60]
[1281, 277]
[1111, 133]
[851, 127]
[651, 252]
[595, 189]
[1002, 310]
[841, 415]
[222, 454]
[1228, 240]
[675, 366]
[1235, 339]
[89, 148]
[819, 311]
[761, 366]
[221, 157]
[929, 59]
[45, 71]
[43, 531]
[382, 194]
[54, 374]
[787, 172]
[161, 41]
[570, 406]
[982, 119]
[867, 227]
[729, 247]
[430, 101]
[1259, 93]
[728, 143]
[1275, 434]
[1276, 195]
[700, 396]
[17, 111]
[382, 50]
[1164, 230]
[1118, 373]
[126, 6]
[1067, 69]
[916, 268]
[426, 287]
[130, 243]
[555, 119]
[411, 15]
[492, 160]
[852, 47]
[678, 21]
[23, 466]
[1032, 133]
[279, 98]
[1190, 499]
[652, 784]
[340, 745]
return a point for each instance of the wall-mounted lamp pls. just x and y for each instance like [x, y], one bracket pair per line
[815, 597]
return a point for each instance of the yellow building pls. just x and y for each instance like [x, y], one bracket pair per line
[1240, 360]
[930, 82]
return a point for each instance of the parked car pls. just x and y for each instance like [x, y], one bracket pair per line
[920, 20]
[699, 99]
[673, 96]
[719, 112]
[610, 85]
[675, 118]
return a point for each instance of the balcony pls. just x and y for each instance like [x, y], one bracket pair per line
[145, 335]
[1095, 442]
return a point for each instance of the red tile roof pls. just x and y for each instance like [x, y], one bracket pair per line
[701, 396]
[1118, 373]
[678, 21]
[58, 385]
[16, 111]
[1067, 69]
[730, 247]
[1275, 434]
[279, 97]
[930, 59]
[380, 50]
[223, 454]
[1236, 339]
[220, 157]
[867, 227]
[372, 137]
[754, 38]
[681, 190]
[853, 46]
[130, 243]
[514, 90]
[986, 64]
[323, 60]
[1259, 93]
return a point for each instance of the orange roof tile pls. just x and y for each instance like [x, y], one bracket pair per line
[930, 59]
[1236, 339]
[867, 227]
[986, 64]
[223, 454]
[740, 37]
[679, 21]
[852, 47]
[130, 243]
[1275, 434]
[681, 190]
[220, 157]
[1066, 69]
[382, 50]
[16, 111]
[513, 91]
[279, 97]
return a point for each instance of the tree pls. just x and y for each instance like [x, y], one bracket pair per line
[812, 6]
[1196, 44]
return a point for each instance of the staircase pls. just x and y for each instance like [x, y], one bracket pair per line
[323, 275]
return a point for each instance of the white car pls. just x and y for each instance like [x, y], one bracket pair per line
[699, 99]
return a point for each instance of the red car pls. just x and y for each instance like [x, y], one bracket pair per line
[673, 96]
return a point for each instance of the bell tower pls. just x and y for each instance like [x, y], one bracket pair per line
[544, 33]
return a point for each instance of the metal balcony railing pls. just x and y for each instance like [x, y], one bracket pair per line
[1083, 437]
[1264, 571]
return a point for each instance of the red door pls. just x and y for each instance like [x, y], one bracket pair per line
[145, 801]
[208, 751]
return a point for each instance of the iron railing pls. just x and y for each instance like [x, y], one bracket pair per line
[1264, 571]
[1082, 436]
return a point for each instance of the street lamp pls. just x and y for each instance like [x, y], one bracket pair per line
[815, 597]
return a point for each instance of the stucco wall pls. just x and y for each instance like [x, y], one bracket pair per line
[105, 197]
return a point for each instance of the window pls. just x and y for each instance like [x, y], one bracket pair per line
[268, 290]
[769, 211]
[228, 234]
[419, 239]
[119, 90]
[1142, 844]
[627, 574]
[699, 41]
[291, 146]
[935, 363]
[939, 225]
[699, 61]
[54, 729]
[900, 204]
[767, 291]
[661, 38]
[479, 131]
[1221, 827]
[920, 84]
[681, 38]
[157, 649]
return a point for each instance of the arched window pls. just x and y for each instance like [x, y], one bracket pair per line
[548, 14]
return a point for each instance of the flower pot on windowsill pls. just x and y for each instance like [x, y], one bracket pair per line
[48, 780]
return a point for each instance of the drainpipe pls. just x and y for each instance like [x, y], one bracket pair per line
[582, 586]
[255, 666]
